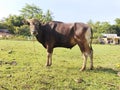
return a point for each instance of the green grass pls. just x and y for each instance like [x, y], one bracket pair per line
[22, 67]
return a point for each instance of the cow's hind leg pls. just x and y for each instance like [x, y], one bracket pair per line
[84, 62]
[86, 51]
[91, 58]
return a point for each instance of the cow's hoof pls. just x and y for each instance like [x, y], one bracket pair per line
[91, 68]
[82, 69]
[47, 65]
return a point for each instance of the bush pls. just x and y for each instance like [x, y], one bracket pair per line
[22, 30]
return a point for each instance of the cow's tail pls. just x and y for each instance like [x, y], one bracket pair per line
[89, 36]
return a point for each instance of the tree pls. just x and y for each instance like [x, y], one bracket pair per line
[2, 25]
[102, 27]
[22, 30]
[33, 11]
[117, 26]
[48, 16]
[13, 21]
[117, 20]
[105, 28]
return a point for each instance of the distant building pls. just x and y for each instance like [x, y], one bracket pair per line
[109, 39]
[4, 33]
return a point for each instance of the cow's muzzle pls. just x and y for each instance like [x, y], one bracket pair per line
[34, 32]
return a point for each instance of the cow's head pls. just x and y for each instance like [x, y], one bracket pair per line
[34, 26]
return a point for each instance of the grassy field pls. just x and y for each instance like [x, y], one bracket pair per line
[22, 67]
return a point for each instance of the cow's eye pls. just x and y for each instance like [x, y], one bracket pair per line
[36, 23]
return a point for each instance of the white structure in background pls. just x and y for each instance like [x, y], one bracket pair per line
[4, 33]
[109, 39]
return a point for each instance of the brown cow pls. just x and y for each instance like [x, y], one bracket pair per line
[59, 34]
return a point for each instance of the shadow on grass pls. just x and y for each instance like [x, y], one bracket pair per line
[104, 69]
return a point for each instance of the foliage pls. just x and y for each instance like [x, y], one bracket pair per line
[33, 11]
[2, 25]
[47, 16]
[15, 25]
[14, 22]
[117, 26]
[105, 27]
[22, 30]
[22, 68]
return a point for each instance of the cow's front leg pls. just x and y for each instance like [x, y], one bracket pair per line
[49, 55]
[49, 59]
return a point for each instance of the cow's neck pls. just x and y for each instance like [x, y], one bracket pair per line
[40, 37]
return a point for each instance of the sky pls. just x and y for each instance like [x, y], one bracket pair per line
[68, 10]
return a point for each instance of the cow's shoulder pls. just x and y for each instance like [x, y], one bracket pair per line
[53, 24]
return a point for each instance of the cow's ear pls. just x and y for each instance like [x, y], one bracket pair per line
[25, 22]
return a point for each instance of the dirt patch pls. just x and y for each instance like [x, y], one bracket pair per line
[14, 63]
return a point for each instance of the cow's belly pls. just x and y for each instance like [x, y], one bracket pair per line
[66, 43]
